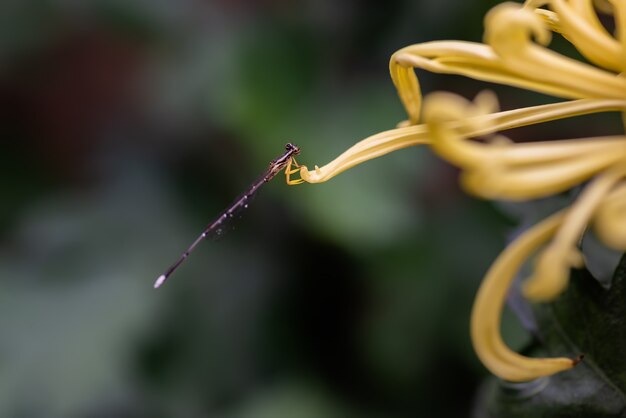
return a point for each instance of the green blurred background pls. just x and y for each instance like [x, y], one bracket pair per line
[128, 125]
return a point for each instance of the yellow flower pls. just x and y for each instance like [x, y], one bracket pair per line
[515, 53]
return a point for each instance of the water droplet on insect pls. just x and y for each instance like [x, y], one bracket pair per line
[245, 206]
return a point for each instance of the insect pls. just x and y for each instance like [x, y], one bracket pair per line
[285, 161]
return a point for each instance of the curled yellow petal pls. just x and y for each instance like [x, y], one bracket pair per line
[578, 22]
[497, 181]
[509, 30]
[484, 124]
[551, 273]
[503, 169]
[371, 147]
[469, 59]
[488, 305]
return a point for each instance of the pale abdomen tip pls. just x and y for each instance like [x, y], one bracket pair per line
[159, 281]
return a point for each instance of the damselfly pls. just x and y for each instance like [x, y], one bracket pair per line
[285, 161]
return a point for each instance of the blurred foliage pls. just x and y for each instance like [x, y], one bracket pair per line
[127, 125]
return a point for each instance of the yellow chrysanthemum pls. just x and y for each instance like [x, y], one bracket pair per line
[515, 53]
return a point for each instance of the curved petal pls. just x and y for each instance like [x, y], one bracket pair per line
[509, 29]
[505, 170]
[371, 147]
[488, 305]
[551, 273]
[388, 141]
[535, 181]
[469, 59]
[579, 24]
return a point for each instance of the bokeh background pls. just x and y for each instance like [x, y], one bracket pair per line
[128, 125]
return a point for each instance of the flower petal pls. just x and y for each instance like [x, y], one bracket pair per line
[488, 305]
[551, 272]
